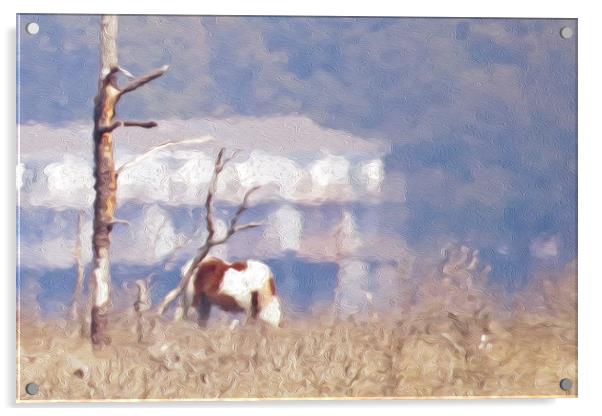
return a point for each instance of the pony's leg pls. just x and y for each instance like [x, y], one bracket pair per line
[181, 309]
[254, 305]
[269, 309]
[188, 297]
[253, 310]
[204, 309]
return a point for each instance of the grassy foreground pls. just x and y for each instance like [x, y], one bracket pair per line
[454, 344]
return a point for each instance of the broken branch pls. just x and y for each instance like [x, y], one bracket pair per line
[118, 221]
[125, 72]
[247, 226]
[137, 83]
[129, 123]
[154, 149]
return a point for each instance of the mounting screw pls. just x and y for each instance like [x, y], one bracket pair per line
[32, 28]
[566, 384]
[566, 33]
[32, 389]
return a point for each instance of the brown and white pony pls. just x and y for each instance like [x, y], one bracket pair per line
[244, 286]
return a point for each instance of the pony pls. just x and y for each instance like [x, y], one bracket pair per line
[244, 286]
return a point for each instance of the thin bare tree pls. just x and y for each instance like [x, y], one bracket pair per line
[212, 240]
[142, 304]
[76, 302]
[105, 203]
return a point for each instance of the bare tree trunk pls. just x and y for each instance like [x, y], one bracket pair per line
[142, 304]
[106, 182]
[109, 94]
[76, 303]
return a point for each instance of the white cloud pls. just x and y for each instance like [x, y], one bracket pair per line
[372, 174]
[262, 169]
[147, 181]
[189, 182]
[65, 184]
[331, 170]
[545, 248]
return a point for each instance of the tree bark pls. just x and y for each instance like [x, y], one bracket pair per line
[106, 181]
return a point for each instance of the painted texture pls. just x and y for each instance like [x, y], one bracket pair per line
[417, 195]
[419, 352]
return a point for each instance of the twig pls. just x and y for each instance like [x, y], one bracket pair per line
[164, 145]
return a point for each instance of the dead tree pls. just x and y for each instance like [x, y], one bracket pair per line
[142, 304]
[105, 203]
[76, 306]
[212, 240]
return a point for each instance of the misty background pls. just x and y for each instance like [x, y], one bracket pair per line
[377, 141]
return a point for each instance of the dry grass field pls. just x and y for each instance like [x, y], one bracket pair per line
[452, 341]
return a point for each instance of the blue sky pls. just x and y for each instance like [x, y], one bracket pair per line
[474, 120]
